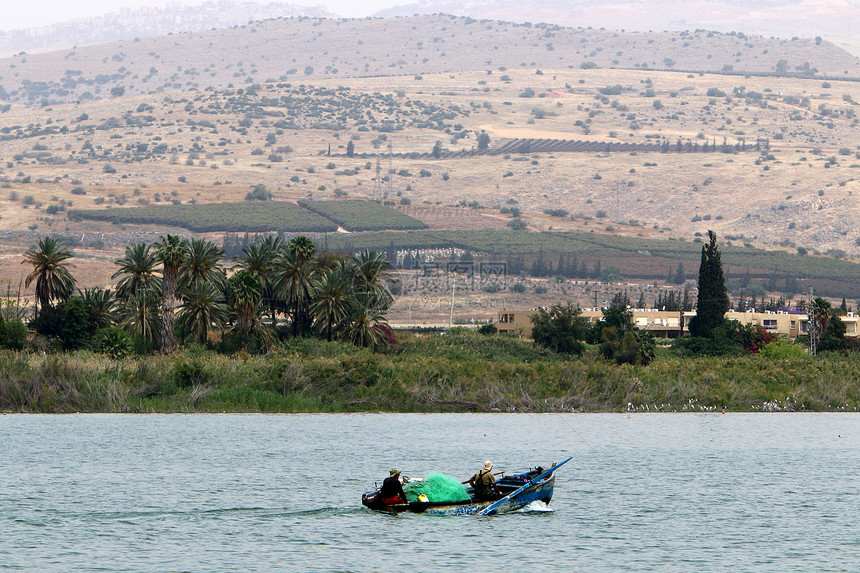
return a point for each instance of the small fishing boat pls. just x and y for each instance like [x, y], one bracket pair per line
[518, 491]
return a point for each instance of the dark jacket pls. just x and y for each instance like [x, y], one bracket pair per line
[391, 488]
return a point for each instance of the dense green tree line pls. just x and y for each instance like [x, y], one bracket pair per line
[178, 289]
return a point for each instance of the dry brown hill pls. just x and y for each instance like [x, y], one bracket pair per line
[304, 49]
[835, 20]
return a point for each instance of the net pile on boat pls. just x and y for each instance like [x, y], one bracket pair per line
[438, 488]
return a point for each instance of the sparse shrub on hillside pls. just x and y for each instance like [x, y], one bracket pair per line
[557, 212]
[517, 224]
[258, 192]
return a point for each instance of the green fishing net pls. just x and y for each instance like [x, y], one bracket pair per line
[437, 488]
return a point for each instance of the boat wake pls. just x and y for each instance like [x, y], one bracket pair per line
[536, 506]
[232, 513]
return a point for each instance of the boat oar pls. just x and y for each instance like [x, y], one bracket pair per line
[495, 505]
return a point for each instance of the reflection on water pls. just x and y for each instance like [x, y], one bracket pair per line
[282, 492]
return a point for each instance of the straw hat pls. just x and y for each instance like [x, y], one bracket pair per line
[488, 465]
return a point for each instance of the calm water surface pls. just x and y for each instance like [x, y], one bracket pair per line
[653, 492]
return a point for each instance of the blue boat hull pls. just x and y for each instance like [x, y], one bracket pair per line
[540, 491]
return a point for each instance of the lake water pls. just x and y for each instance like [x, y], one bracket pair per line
[232, 492]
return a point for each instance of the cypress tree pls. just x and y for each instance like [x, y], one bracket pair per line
[679, 277]
[713, 301]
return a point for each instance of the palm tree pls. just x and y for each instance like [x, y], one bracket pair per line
[245, 295]
[372, 278]
[333, 298]
[101, 305]
[138, 315]
[50, 271]
[203, 305]
[171, 251]
[259, 260]
[302, 247]
[294, 285]
[367, 326]
[202, 264]
[137, 269]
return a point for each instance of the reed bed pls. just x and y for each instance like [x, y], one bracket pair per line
[457, 372]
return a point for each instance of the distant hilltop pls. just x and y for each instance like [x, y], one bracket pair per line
[782, 18]
[128, 24]
[308, 49]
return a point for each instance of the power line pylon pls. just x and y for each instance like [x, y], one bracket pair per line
[377, 182]
[390, 191]
[812, 322]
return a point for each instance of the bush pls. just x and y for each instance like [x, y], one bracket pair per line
[633, 347]
[141, 345]
[782, 349]
[14, 334]
[697, 346]
[560, 329]
[517, 224]
[190, 373]
[77, 322]
[488, 329]
[48, 323]
[113, 341]
[258, 193]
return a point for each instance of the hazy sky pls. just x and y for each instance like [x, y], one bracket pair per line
[28, 13]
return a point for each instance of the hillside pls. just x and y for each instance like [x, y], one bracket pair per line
[306, 49]
[765, 160]
[148, 21]
[835, 20]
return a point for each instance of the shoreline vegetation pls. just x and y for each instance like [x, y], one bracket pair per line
[458, 371]
[335, 352]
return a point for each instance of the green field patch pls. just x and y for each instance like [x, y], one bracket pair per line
[637, 258]
[256, 216]
[363, 215]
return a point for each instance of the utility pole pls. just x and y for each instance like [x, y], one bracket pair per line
[453, 289]
[377, 182]
[390, 171]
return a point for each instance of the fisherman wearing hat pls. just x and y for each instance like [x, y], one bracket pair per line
[484, 482]
[391, 492]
